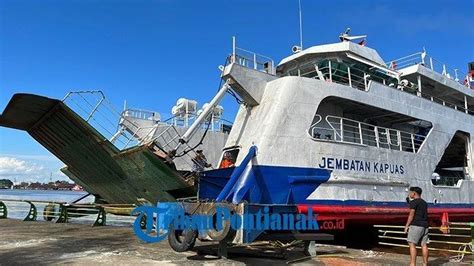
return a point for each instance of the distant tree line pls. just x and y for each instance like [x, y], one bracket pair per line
[58, 185]
[6, 184]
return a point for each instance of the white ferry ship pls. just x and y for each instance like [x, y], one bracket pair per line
[338, 129]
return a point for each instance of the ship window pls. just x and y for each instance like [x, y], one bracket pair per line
[453, 164]
[343, 72]
[229, 157]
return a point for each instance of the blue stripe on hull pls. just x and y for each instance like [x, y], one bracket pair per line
[288, 185]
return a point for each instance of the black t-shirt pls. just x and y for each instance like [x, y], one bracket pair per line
[421, 212]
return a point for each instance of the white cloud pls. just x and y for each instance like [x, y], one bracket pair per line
[20, 169]
[13, 166]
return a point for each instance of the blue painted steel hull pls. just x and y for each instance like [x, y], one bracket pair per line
[264, 184]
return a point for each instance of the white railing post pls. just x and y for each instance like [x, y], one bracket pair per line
[444, 70]
[365, 80]
[399, 139]
[431, 63]
[413, 143]
[360, 134]
[255, 61]
[95, 109]
[389, 139]
[349, 75]
[419, 85]
[456, 75]
[465, 104]
[330, 71]
[233, 50]
[342, 129]
[376, 131]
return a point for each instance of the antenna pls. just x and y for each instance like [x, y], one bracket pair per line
[301, 25]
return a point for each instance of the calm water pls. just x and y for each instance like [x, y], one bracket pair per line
[49, 195]
[19, 210]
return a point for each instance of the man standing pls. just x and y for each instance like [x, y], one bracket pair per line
[200, 162]
[417, 225]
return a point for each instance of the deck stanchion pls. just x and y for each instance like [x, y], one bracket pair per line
[472, 237]
[101, 218]
[3, 210]
[32, 214]
[63, 215]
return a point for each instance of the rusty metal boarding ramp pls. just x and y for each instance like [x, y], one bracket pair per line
[116, 175]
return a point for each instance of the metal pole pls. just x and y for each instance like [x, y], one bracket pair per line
[201, 118]
[376, 131]
[419, 86]
[472, 234]
[349, 75]
[301, 25]
[342, 129]
[465, 104]
[365, 81]
[330, 71]
[233, 49]
[255, 61]
[399, 139]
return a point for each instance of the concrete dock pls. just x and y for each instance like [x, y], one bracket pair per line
[48, 243]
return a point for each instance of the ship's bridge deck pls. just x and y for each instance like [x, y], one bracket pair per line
[356, 66]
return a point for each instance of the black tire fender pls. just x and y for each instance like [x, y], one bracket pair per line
[49, 212]
[181, 240]
[219, 235]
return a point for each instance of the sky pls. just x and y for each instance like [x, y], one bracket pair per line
[151, 53]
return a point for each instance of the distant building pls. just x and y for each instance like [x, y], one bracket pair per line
[6, 184]
[58, 185]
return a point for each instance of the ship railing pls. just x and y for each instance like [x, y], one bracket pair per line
[344, 130]
[141, 114]
[414, 89]
[100, 114]
[168, 140]
[68, 212]
[361, 80]
[344, 75]
[97, 111]
[251, 59]
[347, 77]
[450, 237]
[421, 58]
[141, 135]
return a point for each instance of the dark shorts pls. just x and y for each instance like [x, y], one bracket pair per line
[418, 235]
